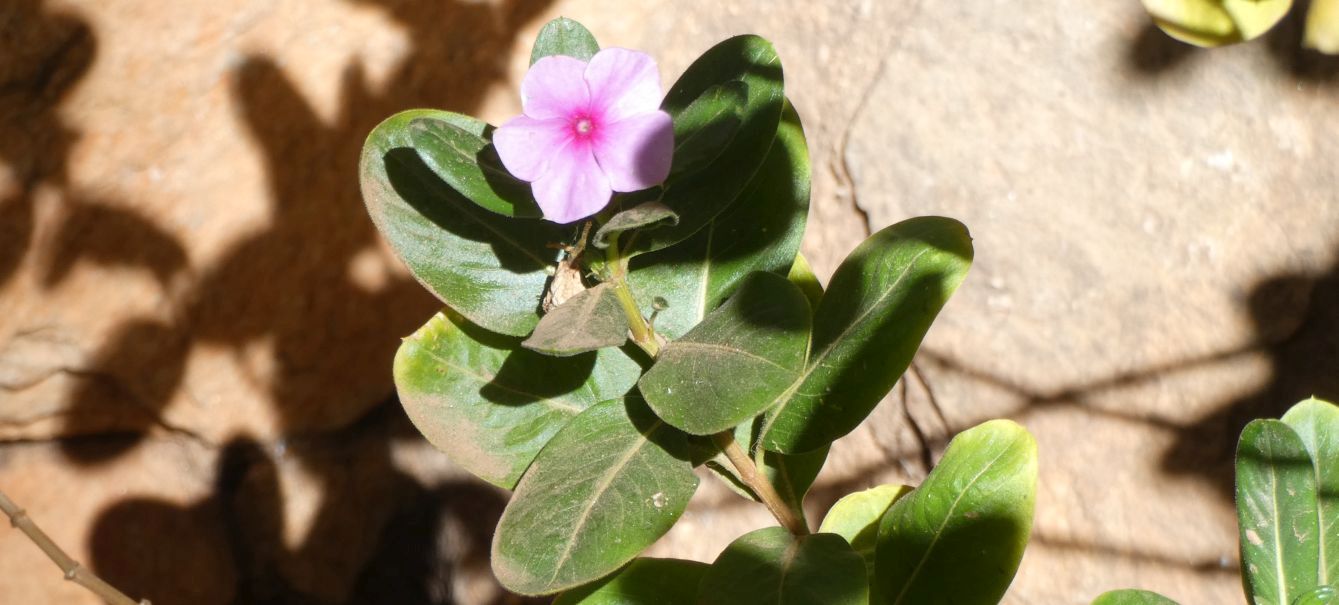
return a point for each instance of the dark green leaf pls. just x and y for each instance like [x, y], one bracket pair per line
[603, 489]
[487, 267]
[705, 128]
[1132, 597]
[1276, 514]
[868, 326]
[734, 364]
[700, 196]
[645, 581]
[761, 232]
[771, 567]
[803, 276]
[642, 216]
[563, 36]
[793, 474]
[856, 517]
[1322, 595]
[1317, 423]
[491, 405]
[958, 538]
[593, 319]
[467, 162]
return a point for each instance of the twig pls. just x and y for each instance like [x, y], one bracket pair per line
[748, 473]
[74, 572]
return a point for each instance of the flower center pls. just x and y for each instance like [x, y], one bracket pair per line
[584, 126]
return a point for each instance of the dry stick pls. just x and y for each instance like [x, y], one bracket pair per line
[74, 572]
[748, 473]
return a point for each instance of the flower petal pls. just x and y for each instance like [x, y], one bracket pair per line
[623, 83]
[555, 87]
[525, 144]
[635, 153]
[574, 187]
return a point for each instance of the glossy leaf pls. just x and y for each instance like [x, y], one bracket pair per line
[802, 275]
[1316, 422]
[642, 216]
[645, 581]
[491, 405]
[593, 319]
[705, 128]
[771, 567]
[761, 232]
[1132, 597]
[606, 486]
[1276, 514]
[856, 517]
[699, 196]
[563, 36]
[1216, 22]
[872, 318]
[467, 162]
[959, 536]
[1321, 595]
[489, 268]
[735, 363]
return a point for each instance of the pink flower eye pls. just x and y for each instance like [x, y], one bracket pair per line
[573, 175]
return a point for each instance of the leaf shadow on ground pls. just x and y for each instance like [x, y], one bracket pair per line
[286, 286]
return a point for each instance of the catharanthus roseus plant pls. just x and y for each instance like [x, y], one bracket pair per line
[625, 303]
[1287, 511]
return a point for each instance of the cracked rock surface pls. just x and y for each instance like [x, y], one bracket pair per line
[197, 318]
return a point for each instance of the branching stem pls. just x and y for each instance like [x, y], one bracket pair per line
[74, 572]
[749, 474]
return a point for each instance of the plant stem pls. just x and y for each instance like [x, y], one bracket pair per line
[74, 572]
[748, 472]
[642, 334]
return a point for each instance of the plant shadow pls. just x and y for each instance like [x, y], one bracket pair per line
[287, 287]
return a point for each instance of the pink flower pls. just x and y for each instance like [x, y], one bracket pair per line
[588, 130]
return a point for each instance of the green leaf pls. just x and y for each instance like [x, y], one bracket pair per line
[1216, 22]
[1322, 595]
[856, 517]
[1276, 514]
[705, 128]
[489, 268]
[491, 405]
[793, 474]
[761, 232]
[593, 319]
[958, 538]
[642, 216]
[1317, 424]
[609, 484]
[734, 364]
[771, 567]
[1132, 597]
[563, 36]
[467, 161]
[645, 581]
[802, 275]
[868, 326]
[700, 196]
